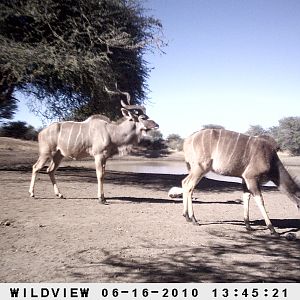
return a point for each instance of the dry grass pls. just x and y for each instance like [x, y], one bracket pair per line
[7, 143]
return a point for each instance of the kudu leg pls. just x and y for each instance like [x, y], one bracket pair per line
[253, 187]
[54, 164]
[188, 186]
[246, 201]
[100, 170]
[37, 167]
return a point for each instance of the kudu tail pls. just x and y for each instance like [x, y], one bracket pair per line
[285, 182]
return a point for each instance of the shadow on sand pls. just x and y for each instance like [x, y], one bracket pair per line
[147, 180]
[224, 259]
[226, 256]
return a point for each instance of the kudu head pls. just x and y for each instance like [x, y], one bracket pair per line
[135, 116]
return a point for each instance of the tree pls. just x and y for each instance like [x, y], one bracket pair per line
[213, 126]
[65, 53]
[154, 135]
[18, 130]
[287, 134]
[256, 130]
[8, 105]
[153, 141]
[175, 142]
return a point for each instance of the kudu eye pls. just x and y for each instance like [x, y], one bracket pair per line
[143, 117]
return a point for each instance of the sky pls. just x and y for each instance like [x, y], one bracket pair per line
[233, 63]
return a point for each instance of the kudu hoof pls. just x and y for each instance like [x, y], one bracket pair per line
[192, 219]
[275, 234]
[31, 195]
[187, 218]
[103, 201]
[249, 229]
[60, 196]
[195, 222]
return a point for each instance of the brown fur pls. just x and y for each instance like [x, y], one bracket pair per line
[97, 137]
[254, 159]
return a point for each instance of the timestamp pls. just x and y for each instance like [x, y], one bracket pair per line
[250, 293]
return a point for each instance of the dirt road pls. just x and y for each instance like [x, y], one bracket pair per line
[140, 236]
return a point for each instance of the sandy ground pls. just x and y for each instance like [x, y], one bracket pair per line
[140, 236]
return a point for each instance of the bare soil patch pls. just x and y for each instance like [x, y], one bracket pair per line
[140, 236]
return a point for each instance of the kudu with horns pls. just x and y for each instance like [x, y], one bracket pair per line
[97, 136]
[254, 159]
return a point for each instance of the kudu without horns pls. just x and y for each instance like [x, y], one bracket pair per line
[97, 136]
[254, 159]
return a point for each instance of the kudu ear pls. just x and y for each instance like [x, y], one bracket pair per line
[126, 113]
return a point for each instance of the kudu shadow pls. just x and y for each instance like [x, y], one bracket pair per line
[260, 225]
[147, 180]
[172, 201]
[293, 224]
[158, 182]
[144, 200]
[66, 198]
[161, 182]
[132, 199]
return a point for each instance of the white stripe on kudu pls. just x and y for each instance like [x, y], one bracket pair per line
[96, 136]
[203, 145]
[69, 140]
[210, 140]
[60, 131]
[219, 139]
[234, 147]
[254, 159]
[76, 140]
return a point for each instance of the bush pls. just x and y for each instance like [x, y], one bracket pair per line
[154, 141]
[287, 134]
[19, 130]
[174, 142]
[256, 130]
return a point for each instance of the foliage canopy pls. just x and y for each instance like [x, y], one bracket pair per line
[8, 106]
[65, 52]
[256, 130]
[175, 142]
[286, 134]
[18, 130]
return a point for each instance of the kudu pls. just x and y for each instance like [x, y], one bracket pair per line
[254, 159]
[97, 136]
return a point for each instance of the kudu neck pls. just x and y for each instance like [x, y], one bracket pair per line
[123, 133]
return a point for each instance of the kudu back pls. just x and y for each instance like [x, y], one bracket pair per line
[97, 136]
[252, 158]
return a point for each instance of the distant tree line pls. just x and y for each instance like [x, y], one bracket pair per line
[286, 134]
[18, 130]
